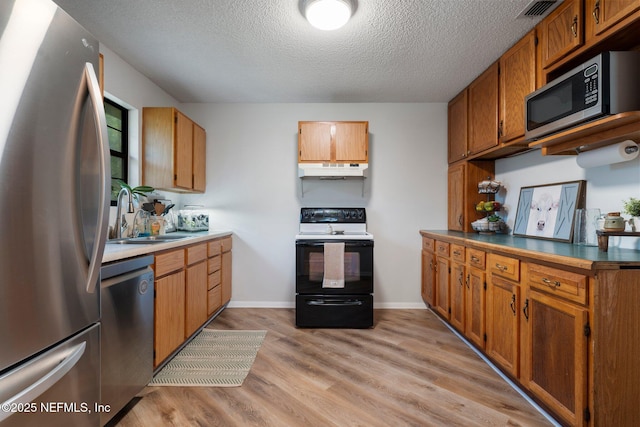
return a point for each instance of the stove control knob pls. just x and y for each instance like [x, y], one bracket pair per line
[360, 214]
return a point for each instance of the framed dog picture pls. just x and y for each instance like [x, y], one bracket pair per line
[547, 211]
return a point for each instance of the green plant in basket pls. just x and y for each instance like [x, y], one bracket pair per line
[632, 206]
[140, 190]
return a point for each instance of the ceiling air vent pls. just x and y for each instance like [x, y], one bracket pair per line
[536, 8]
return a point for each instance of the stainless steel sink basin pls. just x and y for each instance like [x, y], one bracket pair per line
[146, 240]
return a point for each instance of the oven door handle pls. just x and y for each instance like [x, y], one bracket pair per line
[334, 302]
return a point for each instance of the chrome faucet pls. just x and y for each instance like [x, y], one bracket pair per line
[121, 221]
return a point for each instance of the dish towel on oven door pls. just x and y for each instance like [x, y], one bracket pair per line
[333, 265]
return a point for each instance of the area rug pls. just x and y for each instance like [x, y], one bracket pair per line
[214, 358]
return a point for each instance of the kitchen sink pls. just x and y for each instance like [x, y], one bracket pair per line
[146, 239]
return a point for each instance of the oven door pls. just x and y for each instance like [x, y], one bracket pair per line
[358, 267]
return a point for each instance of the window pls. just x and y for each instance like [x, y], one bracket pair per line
[117, 128]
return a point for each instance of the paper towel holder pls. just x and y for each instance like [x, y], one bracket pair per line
[616, 153]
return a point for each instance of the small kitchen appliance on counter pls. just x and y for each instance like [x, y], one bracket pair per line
[334, 269]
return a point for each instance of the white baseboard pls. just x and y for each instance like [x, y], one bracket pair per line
[291, 304]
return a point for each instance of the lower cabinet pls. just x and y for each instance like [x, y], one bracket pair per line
[169, 311]
[475, 298]
[188, 291]
[196, 288]
[557, 330]
[567, 333]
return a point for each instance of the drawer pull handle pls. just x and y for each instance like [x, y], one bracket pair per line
[501, 267]
[475, 258]
[551, 283]
[596, 12]
[457, 253]
[574, 26]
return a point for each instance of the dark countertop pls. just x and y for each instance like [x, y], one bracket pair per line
[579, 256]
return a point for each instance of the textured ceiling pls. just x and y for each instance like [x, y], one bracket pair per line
[217, 51]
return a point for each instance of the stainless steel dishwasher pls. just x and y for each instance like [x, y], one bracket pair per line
[126, 300]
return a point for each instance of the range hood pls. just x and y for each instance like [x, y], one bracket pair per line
[332, 170]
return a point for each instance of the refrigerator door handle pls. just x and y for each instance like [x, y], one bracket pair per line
[105, 181]
[31, 391]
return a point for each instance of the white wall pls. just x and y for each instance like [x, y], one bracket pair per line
[607, 186]
[253, 189]
[126, 86]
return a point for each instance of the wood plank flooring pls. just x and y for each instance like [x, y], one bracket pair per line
[409, 370]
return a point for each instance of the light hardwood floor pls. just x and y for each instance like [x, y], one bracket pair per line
[409, 370]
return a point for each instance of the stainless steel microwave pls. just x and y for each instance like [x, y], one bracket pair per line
[605, 85]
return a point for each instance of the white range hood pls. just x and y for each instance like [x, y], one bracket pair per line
[332, 170]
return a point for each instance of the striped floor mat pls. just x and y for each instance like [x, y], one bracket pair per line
[214, 358]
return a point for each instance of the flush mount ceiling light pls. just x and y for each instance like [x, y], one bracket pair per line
[328, 14]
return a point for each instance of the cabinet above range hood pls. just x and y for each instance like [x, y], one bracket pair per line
[333, 170]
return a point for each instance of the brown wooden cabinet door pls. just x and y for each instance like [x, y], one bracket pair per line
[314, 141]
[503, 302]
[169, 315]
[556, 356]
[196, 298]
[225, 273]
[457, 127]
[600, 15]
[561, 32]
[351, 141]
[428, 277]
[475, 306]
[483, 111]
[457, 288]
[199, 158]
[183, 173]
[442, 287]
[517, 80]
[455, 196]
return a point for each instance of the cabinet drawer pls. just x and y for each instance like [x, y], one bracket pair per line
[572, 286]
[214, 300]
[457, 253]
[227, 243]
[504, 266]
[213, 280]
[476, 258]
[196, 253]
[428, 244]
[214, 264]
[169, 261]
[442, 248]
[215, 248]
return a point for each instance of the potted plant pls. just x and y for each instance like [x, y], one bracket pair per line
[632, 207]
[140, 190]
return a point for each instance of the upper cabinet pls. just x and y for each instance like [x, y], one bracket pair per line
[457, 127]
[483, 111]
[333, 142]
[517, 80]
[173, 151]
[601, 15]
[486, 119]
[561, 32]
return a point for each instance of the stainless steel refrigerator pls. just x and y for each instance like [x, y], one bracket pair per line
[54, 185]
